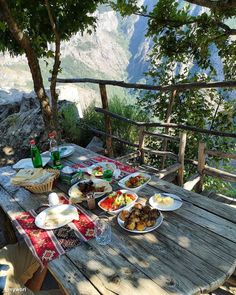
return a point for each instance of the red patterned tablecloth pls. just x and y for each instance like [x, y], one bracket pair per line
[47, 245]
[125, 169]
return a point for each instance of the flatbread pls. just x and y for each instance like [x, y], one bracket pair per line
[55, 217]
[31, 176]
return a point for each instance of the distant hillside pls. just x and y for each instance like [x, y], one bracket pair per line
[105, 54]
[117, 50]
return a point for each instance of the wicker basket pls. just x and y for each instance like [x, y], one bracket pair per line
[45, 186]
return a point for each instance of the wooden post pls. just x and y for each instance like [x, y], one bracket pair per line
[168, 119]
[182, 145]
[107, 119]
[141, 143]
[201, 165]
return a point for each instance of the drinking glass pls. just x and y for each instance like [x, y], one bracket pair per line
[53, 199]
[102, 230]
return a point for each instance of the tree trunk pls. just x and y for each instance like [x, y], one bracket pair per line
[33, 63]
[56, 67]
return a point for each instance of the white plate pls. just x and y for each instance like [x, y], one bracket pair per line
[27, 163]
[147, 230]
[104, 165]
[62, 214]
[176, 205]
[65, 151]
[136, 189]
[122, 208]
[108, 188]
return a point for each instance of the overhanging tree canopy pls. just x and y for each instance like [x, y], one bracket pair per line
[29, 26]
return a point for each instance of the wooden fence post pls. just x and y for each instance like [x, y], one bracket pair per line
[168, 119]
[141, 143]
[182, 145]
[107, 119]
[201, 165]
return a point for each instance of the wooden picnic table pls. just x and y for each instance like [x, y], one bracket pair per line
[192, 252]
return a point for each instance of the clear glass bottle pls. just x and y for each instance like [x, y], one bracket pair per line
[35, 155]
[54, 150]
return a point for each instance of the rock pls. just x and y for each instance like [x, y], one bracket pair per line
[25, 121]
[96, 145]
[8, 109]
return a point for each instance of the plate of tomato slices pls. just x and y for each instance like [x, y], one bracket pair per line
[118, 201]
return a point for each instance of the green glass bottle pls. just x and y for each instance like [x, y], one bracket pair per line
[55, 154]
[35, 155]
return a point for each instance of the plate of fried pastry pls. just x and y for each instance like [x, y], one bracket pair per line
[140, 219]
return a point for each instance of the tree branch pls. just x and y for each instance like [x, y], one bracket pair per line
[227, 4]
[226, 28]
[176, 24]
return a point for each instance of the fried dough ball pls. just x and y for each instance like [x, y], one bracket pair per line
[138, 206]
[135, 212]
[135, 219]
[154, 213]
[130, 225]
[144, 217]
[124, 214]
[146, 209]
[150, 222]
[140, 226]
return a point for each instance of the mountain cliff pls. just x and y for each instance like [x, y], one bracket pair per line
[118, 50]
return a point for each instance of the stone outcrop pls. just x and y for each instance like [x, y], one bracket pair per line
[18, 122]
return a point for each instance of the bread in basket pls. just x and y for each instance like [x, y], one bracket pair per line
[36, 180]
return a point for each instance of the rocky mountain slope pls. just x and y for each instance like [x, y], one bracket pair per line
[116, 50]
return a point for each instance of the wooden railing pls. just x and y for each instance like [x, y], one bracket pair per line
[195, 180]
[162, 88]
[177, 167]
[198, 179]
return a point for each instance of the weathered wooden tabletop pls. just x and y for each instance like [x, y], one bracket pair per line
[192, 252]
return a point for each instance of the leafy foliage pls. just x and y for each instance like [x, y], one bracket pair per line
[71, 16]
[91, 118]
[181, 53]
[69, 119]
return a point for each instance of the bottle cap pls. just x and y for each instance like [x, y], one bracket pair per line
[52, 134]
[32, 141]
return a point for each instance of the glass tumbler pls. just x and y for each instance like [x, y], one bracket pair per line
[102, 230]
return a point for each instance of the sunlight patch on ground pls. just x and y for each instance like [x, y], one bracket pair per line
[82, 158]
[8, 151]
[7, 173]
[4, 162]
[184, 242]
